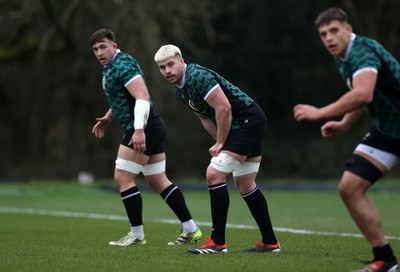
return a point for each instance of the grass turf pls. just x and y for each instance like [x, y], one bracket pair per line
[39, 242]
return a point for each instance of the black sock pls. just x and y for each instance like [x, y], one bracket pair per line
[383, 253]
[259, 209]
[132, 200]
[219, 198]
[175, 200]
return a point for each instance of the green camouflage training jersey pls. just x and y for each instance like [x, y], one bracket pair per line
[368, 54]
[199, 82]
[116, 75]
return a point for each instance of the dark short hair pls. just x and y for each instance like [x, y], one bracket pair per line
[100, 34]
[329, 15]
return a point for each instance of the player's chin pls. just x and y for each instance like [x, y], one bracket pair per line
[172, 80]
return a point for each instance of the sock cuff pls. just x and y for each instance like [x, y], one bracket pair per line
[168, 191]
[251, 192]
[130, 192]
[217, 186]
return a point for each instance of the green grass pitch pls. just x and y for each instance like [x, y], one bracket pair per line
[67, 227]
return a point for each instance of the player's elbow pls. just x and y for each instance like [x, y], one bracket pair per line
[227, 110]
[362, 98]
[366, 98]
[364, 95]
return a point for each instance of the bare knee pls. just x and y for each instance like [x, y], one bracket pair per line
[246, 186]
[211, 176]
[158, 182]
[123, 179]
[214, 176]
[345, 190]
[352, 186]
[246, 183]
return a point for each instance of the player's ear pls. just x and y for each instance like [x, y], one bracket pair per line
[115, 45]
[349, 28]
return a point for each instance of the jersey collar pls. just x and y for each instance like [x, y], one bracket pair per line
[107, 65]
[183, 79]
[118, 51]
[352, 38]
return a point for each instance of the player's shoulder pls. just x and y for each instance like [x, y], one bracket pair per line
[197, 70]
[125, 62]
[192, 70]
[363, 49]
[367, 44]
[193, 67]
[125, 59]
[196, 67]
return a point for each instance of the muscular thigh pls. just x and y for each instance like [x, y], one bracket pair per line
[129, 154]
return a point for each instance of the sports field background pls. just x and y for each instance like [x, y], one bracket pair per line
[67, 226]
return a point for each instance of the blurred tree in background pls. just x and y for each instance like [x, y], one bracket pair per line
[50, 82]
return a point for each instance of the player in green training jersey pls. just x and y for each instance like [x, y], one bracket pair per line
[142, 147]
[237, 124]
[373, 79]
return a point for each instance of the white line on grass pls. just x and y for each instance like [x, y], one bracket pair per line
[170, 221]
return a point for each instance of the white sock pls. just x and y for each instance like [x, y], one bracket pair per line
[189, 226]
[138, 232]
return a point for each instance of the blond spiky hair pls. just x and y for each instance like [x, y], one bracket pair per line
[167, 51]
